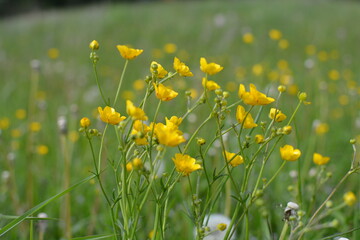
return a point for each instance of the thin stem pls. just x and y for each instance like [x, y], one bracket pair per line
[120, 82]
[98, 84]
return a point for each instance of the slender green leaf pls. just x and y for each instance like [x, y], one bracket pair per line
[23, 217]
[102, 236]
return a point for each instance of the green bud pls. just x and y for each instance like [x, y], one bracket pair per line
[218, 92]
[154, 66]
[352, 141]
[226, 94]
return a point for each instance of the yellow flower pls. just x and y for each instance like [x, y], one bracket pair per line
[321, 128]
[349, 198]
[210, 85]
[259, 138]
[275, 34]
[4, 123]
[135, 112]
[277, 115]
[129, 166]
[221, 226]
[128, 53]
[137, 163]
[161, 72]
[248, 38]
[181, 68]
[233, 159]
[168, 135]
[42, 149]
[288, 153]
[85, 122]
[185, 164]
[244, 118]
[139, 131]
[334, 74]
[35, 126]
[283, 44]
[109, 115]
[254, 97]
[318, 159]
[53, 53]
[164, 93]
[173, 120]
[20, 114]
[170, 48]
[257, 69]
[139, 84]
[94, 45]
[15, 133]
[209, 68]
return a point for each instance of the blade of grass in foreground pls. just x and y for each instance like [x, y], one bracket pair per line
[21, 218]
[94, 237]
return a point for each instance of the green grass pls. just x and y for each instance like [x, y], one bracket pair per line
[69, 85]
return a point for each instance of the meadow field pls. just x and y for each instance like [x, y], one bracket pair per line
[279, 162]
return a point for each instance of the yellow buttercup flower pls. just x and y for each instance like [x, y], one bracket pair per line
[210, 85]
[248, 38]
[135, 112]
[244, 118]
[318, 159]
[4, 123]
[173, 120]
[128, 53]
[233, 159]
[53, 53]
[288, 153]
[259, 138]
[181, 68]
[349, 198]
[168, 135]
[275, 34]
[35, 126]
[85, 122]
[160, 71]
[209, 68]
[164, 93]
[185, 164]
[20, 114]
[277, 115]
[94, 45]
[137, 163]
[254, 97]
[109, 115]
[140, 130]
[42, 149]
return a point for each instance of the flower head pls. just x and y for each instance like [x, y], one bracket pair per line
[181, 68]
[254, 97]
[210, 85]
[209, 68]
[349, 198]
[135, 112]
[173, 120]
[128, 53]
[140, 130]
[318, 159]
[85, 122]
[233, 159]
[259, 138]
[169, 134]
[288, 153]
[244, 118]
[94, 45]
[164, 93]
[109, 115]
[160, 71]
[185, 164]
[277, 115]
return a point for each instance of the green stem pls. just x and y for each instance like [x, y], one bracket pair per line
[98, 84]
[195, 133]
[120, 82]
[284, 230]
[101, 148]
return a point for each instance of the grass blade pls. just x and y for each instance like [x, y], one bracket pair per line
[102, 236]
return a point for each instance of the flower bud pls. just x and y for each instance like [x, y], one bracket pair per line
[218, 92]
[85, 122]
[201, 141]
[281, 88]
[302, 96]
[352, 141]
[221, 226]
[287, 130]
[94, 45]
[226, 94]
[154, 66]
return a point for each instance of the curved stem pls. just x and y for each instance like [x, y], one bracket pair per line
[120, 82]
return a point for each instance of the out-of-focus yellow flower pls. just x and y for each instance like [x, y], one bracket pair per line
[164, 93]
[94, 45]
[240, 72]
[349, 198]
[160, 71]
[137, 163]
[248, 38]
[288, 153]
[210, 85]
[127, 94]
[321, 128]
[4, 123]
[170, 48]
[42, 149]
[135, 112]
[310, 50]
[283, 64]
[140, 130]
[323, 56]
[181, 68]
[259, 138]
[35, 126]
[129, 166]
[254, 97]
[233, 159]
[209, 68]
[20, 114]
[275, 34]
[283, 44]
[139, 84]
[244, 118]
[185, 164]
[344, 99]
[273, 76]
[109, 115]
[73, 136]
[257, 69]
[319, 159]
[127, 52]
[334, 74]
[157, 53]
[193, 93]
[85, 122]
[231, 86]
[168, 135]
[277, 115]
[293, 89]
[53, 53]
[15, 133]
